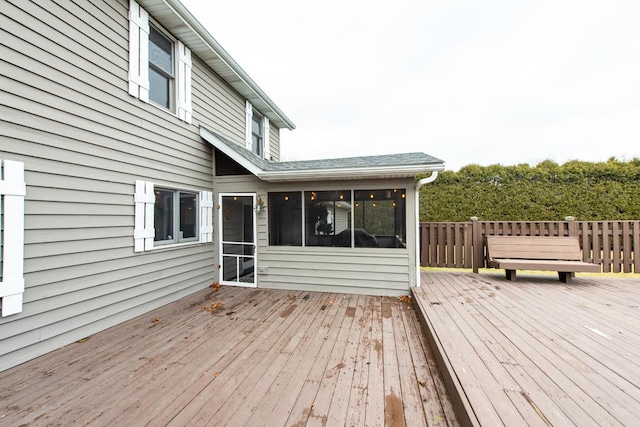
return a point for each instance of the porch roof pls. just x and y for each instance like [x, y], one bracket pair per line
[405, 165]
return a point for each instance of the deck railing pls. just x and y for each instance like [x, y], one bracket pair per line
[615, 245]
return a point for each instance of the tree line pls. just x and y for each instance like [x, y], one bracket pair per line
[548, 191]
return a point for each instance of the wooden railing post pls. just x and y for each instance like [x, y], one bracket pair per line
[571, 225]
[476, 236]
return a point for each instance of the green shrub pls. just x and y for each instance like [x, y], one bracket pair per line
[547, 192]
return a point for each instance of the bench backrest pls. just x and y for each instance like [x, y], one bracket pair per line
[533, 247]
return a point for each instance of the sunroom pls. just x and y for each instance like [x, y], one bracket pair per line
[334, 225]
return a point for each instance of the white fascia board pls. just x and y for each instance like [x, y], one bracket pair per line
[172, 13]
[348, 173]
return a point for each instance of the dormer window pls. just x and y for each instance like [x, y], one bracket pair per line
[161, 69]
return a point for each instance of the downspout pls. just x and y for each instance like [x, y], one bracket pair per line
[419, 185]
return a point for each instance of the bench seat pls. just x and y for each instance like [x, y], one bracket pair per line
[541, 253]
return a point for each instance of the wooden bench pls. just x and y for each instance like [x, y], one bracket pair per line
[561, 254]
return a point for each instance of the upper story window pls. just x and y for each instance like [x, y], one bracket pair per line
[161, 69]
[257, 134]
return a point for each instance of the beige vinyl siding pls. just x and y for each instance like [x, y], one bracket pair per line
[274, 142]
[371, 272]
[216, 106]
[66, 113]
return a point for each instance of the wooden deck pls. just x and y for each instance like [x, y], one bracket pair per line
[536, 352]
[240, 357]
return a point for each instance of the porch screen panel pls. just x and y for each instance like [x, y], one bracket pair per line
[328, 218]
[380, 218]
[285, 219]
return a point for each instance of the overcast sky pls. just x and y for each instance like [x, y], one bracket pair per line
[467, 81]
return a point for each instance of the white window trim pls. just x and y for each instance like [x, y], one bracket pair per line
[206, 216]
[266, 149]
[138, 51]
[183, 78]
[144, 230]
[248, 126]
[139, 64]
[12, 193]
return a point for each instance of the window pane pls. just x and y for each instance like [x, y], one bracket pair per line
[380, 218]
[285, 219]
[163, 215]
[160, 51]
[256, 144]
[256, 125]
[328, 216]
[159, 89]
[188, 215]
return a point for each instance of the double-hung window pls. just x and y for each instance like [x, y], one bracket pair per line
[161, 69]
[257, 132]
[159, 66]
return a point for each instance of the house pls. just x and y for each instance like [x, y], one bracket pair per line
[140, 164]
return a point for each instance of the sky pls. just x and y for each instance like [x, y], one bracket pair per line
[466, 81]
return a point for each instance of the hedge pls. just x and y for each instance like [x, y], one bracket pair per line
[546, 192]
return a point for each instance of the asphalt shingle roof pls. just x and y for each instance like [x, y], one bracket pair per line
[388, 160]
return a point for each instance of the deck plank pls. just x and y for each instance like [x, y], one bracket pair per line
[563, 354]
[264, 358]
[427, 373]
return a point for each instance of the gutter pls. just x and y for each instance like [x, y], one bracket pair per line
[419, 185]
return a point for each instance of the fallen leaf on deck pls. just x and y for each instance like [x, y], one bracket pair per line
[213, 307]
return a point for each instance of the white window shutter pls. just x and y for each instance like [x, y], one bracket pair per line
[265, 139]
[206, 216]
[184, 83]
[249, 118]
[138, 51]
[12, 192]
[144, 230]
